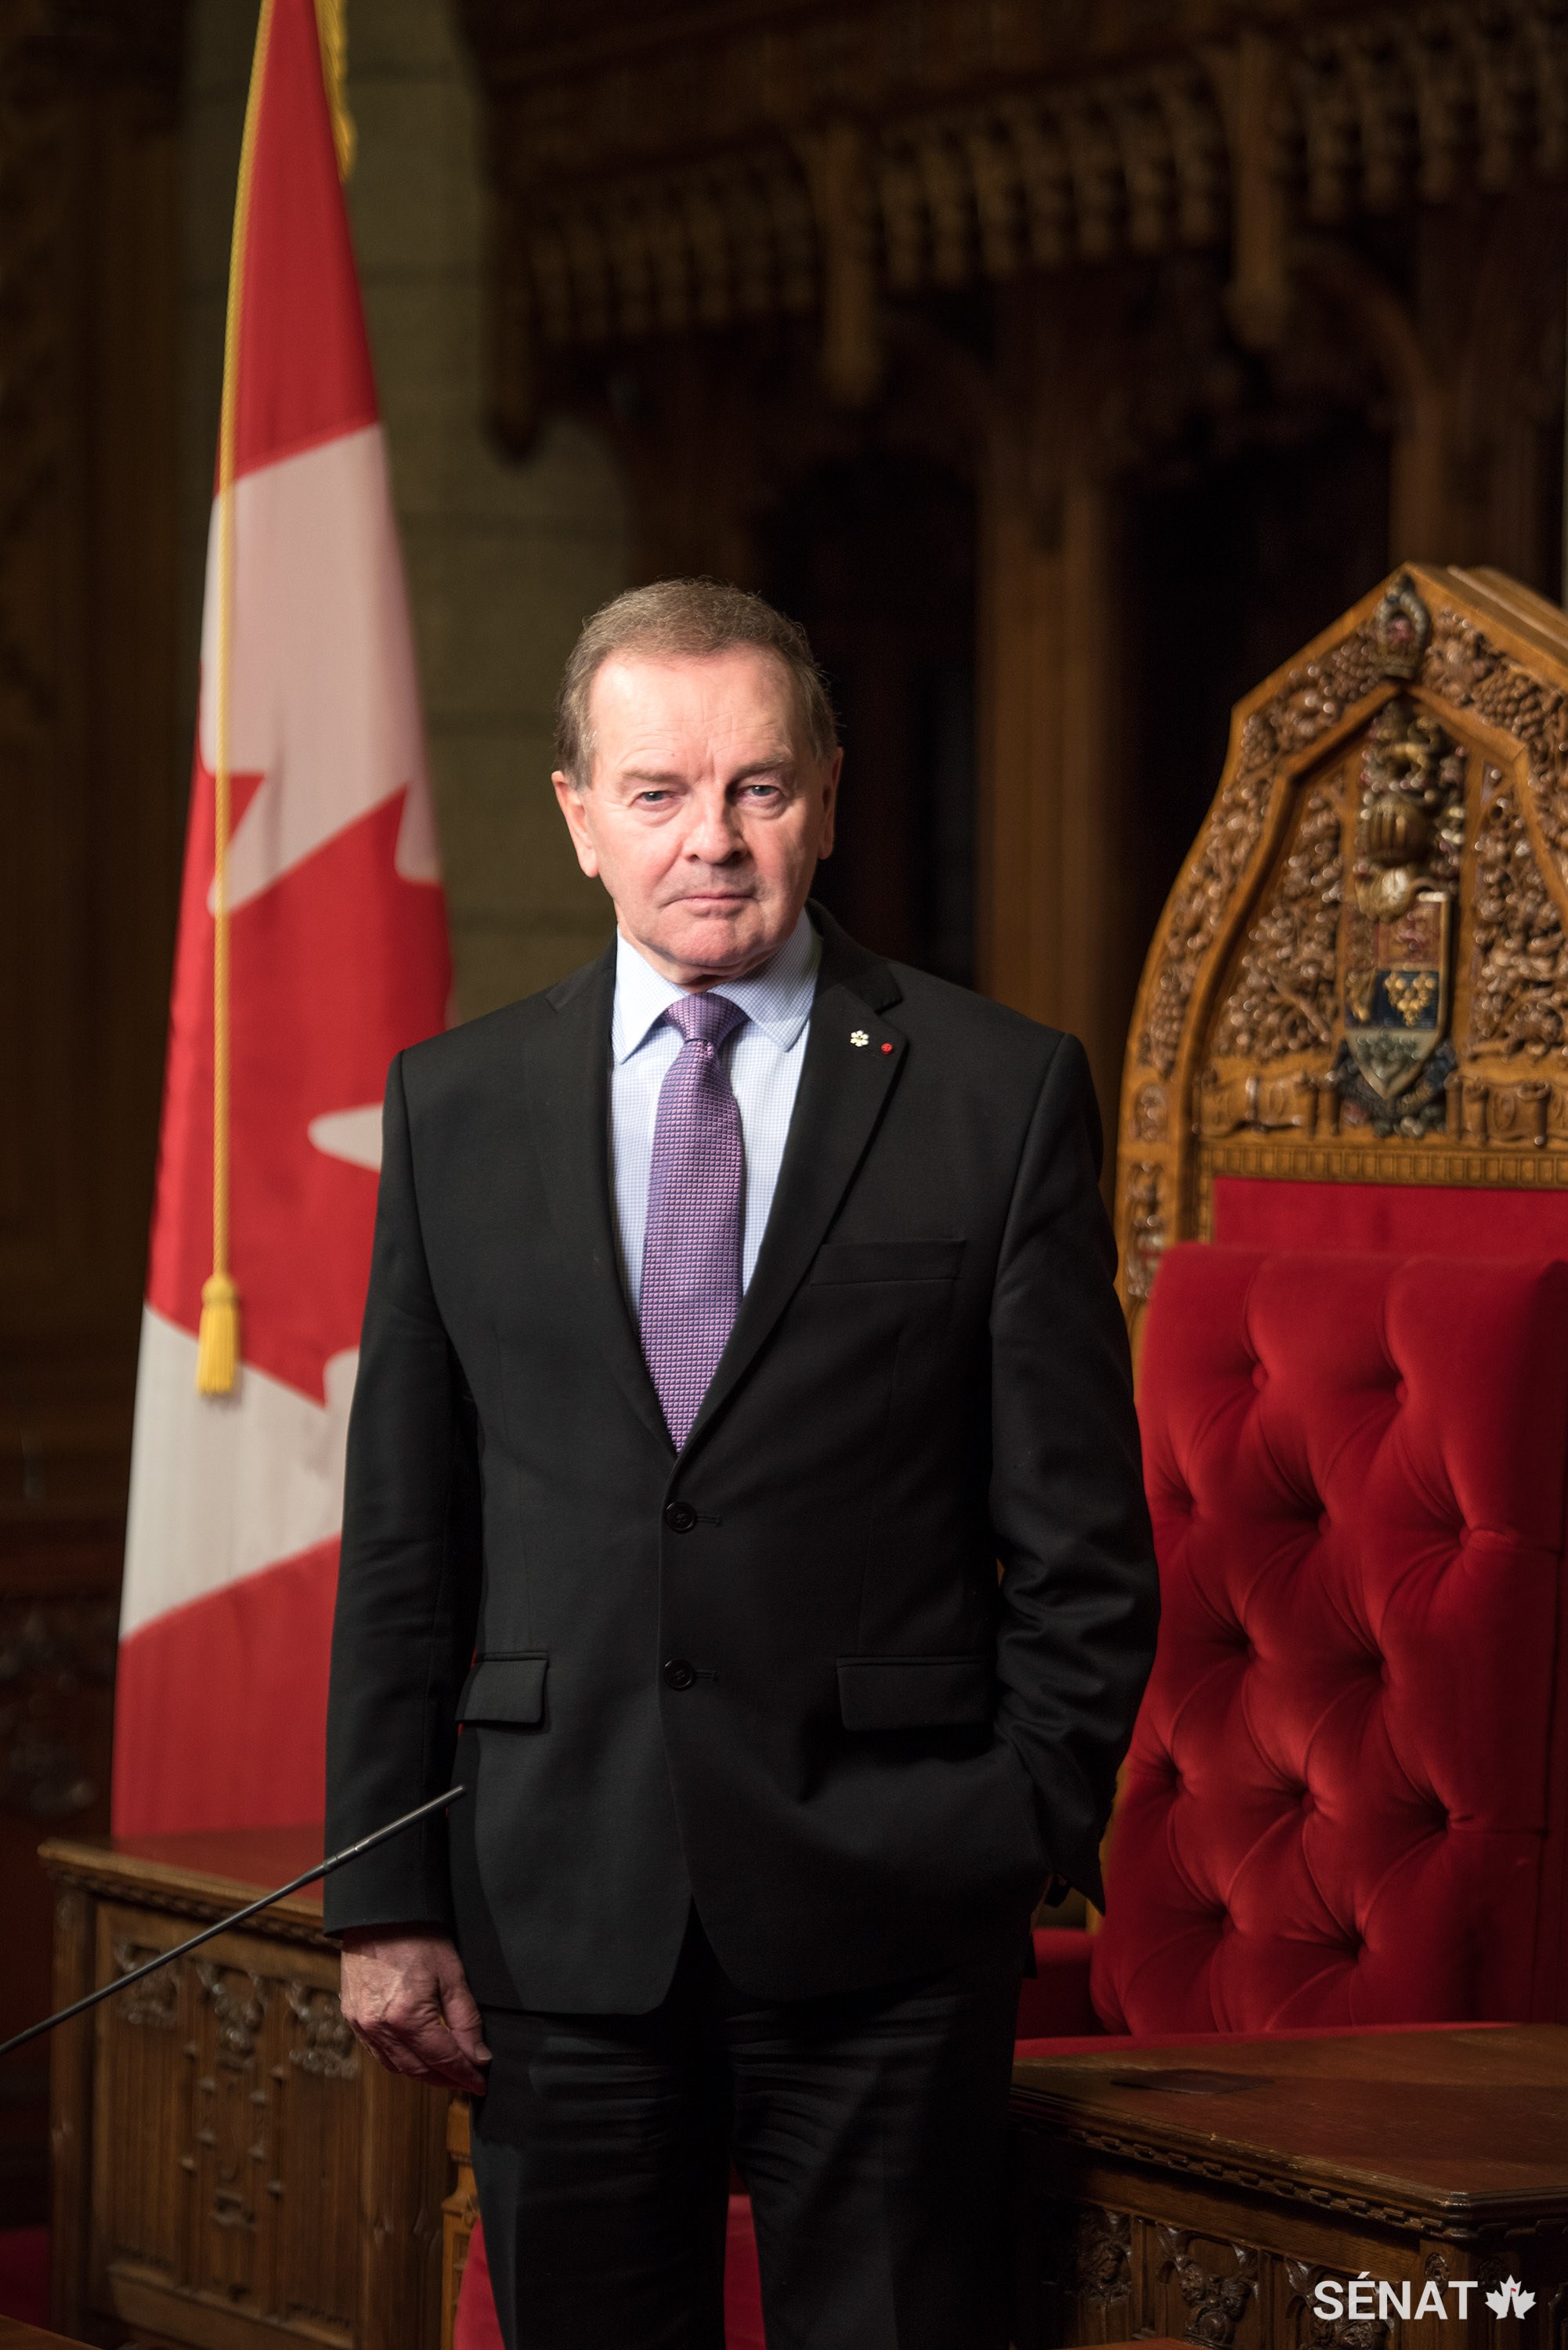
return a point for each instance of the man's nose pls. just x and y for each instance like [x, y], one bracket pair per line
[715, 837]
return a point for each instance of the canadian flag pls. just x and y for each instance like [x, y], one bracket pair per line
[331, 910]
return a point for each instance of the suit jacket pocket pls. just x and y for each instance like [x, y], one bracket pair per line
[506, 1689]
[913, 1692]
[887, 1261]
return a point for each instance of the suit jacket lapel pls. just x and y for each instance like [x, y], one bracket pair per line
[567, 1079]
[844, 1089]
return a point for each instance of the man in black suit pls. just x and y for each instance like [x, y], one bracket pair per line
[737, 1306]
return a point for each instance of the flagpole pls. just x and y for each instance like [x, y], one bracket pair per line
[218, 1337]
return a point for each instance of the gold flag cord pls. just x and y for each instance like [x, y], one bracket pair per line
[332, 31]
[218, 1338]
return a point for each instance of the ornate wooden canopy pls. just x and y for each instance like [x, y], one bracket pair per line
[666, 167]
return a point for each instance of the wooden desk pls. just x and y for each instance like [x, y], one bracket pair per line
[230, 2169]
[15, 2335]
[1205, 2192]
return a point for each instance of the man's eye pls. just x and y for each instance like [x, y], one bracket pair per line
[762, 791]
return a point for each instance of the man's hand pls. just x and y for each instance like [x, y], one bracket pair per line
[405, 1994]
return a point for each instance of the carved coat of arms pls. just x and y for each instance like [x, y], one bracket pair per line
[1397, 936]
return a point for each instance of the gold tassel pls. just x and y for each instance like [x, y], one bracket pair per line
[218, 1339]
[332, 31]
[218, 1336]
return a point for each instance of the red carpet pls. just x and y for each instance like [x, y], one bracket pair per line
[25, 2275]
[25, 2285]
[743, 2293]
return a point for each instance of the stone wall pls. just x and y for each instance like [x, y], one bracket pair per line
[503, 559]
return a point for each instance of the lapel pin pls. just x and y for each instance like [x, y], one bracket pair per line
[858, 1037]
[887, 1048]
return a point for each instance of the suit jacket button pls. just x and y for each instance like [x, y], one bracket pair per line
[680, 1517]
[678, 1674]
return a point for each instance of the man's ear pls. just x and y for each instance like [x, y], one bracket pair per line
[573, 807]
[830, 810]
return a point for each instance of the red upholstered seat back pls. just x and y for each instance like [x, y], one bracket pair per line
[1345, 1800]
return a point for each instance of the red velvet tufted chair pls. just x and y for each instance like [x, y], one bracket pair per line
[1343, 1213]
[1347, 1798]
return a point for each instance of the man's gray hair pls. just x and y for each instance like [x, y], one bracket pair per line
[679, 619]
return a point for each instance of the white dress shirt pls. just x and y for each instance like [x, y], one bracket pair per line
[764, 1057]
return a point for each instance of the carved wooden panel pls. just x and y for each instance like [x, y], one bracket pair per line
[1293, 714]
[93, 787]
[58, 1628]
[1315, 2200]
[1362, 973]
[228, 2110]
[231, 2168]
[226, 2088]
[1227, 2277]
[56, 1678]
[92, 794]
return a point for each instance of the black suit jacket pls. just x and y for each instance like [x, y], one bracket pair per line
[776, 1672]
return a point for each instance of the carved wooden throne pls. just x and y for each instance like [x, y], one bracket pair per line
[1343, 1211]
[1361, 977]
[1346, 1800]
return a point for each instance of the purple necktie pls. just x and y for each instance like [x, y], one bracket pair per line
[691, 1241]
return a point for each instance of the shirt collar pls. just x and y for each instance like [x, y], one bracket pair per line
[778, 998]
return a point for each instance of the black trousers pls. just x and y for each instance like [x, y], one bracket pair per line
[869, 2129]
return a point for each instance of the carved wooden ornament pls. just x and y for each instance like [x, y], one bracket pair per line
[661, 168]
[1360, 974]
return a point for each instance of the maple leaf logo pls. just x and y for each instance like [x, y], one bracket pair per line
[1509, 2296]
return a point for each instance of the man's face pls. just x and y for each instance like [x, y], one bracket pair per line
[705, 813]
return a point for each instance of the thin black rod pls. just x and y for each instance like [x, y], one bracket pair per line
[166, 1958]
